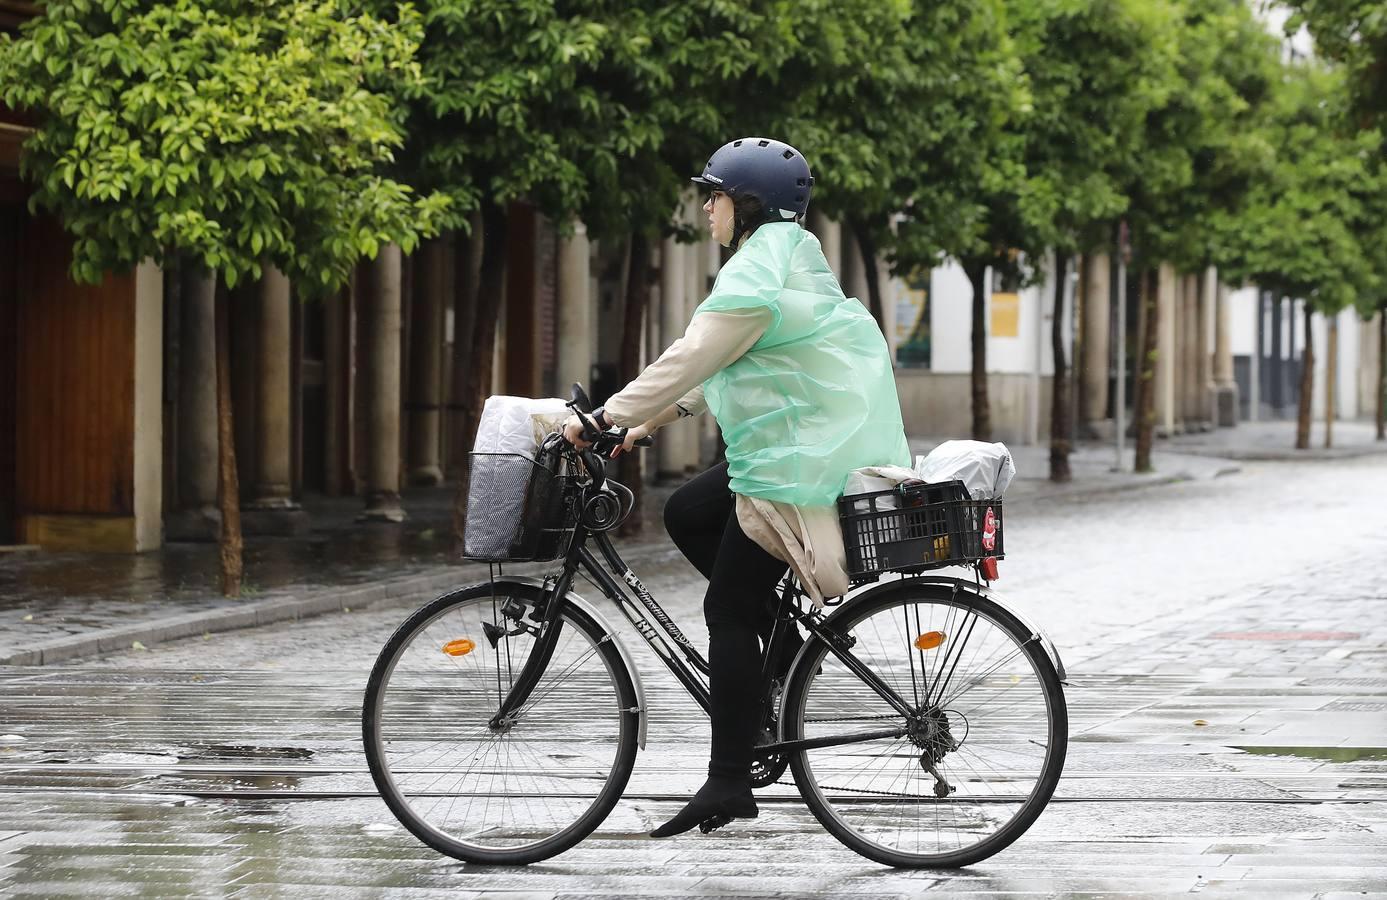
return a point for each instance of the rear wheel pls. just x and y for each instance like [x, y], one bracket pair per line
[974, 762]
[499, 792]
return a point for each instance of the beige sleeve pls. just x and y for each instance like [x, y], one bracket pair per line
[712, 342]
[692, 403]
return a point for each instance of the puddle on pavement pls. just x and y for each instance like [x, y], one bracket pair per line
[1328, 754]
[206, 752]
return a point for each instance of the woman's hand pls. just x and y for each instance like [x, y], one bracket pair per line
[632, 435]
[573, 432]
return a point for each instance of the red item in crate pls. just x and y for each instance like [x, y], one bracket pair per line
[989, 531]
[989, 568]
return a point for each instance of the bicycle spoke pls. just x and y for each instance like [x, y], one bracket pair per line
[974, 739]
[515, 784]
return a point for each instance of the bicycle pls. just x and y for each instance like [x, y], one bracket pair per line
[923, 720]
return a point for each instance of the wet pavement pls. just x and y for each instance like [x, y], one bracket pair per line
[1226, 639]
[55, 607]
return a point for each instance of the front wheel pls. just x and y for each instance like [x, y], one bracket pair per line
[973, 762]
[488, 789]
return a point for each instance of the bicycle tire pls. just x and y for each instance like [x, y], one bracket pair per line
[853, 804]
[400, 707]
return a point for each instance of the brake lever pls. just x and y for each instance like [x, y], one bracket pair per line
[590, 430]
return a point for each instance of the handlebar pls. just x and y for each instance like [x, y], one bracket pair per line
[603, 442]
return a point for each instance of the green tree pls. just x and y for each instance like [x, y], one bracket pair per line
[230, 134]
[1309, 217]
[1203, 151]
[1058, 172]
[497, 117]
[908, 99]
[1353, 33]
[1096, 71]
[600, 111]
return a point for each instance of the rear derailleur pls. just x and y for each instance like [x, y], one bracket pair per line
[930, 732]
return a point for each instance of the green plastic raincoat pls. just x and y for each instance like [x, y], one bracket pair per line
[815, 397]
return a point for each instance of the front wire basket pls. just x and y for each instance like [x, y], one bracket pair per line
[520, 509]
[915, 527]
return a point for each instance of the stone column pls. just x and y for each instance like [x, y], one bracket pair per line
[146, 448]
[337, 391]
[1193, 382]
[707, 441]
[1183, 295]
[1165, 350]
[830, 235]
[1204, 388]
[1224, 403]
[426, 363]
[1094, 383]
[1368, 351]
[271, 509]
[854, 270]
[198, 518]
[575, 313]
[673, 283]
[381, 331]
[696, 289]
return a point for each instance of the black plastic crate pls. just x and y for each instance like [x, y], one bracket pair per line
[914, 527]
[519, 509]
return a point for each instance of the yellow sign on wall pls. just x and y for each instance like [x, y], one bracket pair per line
[1006, 315]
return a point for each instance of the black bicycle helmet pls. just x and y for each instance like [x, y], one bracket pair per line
[771, 171]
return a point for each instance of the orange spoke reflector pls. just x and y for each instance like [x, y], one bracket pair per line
[459, 647]
[929, 640]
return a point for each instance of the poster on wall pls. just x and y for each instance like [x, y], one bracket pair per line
[1006, 315]
[912, 321]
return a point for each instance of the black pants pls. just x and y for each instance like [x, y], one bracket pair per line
[701, 518]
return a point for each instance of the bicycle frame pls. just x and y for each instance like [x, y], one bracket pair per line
[675, 650]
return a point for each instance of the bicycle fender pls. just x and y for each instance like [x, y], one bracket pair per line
[591, 612]
[964, 586]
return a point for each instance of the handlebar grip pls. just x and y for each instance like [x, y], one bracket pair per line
[646, 441]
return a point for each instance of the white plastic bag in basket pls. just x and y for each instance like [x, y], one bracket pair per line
[876, 478]
[517, 424]
[986, 470]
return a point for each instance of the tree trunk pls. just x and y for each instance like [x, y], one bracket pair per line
[1382, 374]
[467, 255]
[1331, 368]
[477, 366]
[637, 299]
[1061, 412]
[982, 412]
[868, 250]
[228, 488]
[1145, 400]
[1307, 386]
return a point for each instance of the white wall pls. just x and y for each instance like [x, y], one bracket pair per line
[1242, 315]
[1349, 400]
[951, 325]
[1346, 399]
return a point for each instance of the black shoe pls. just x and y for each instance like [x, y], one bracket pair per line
[718, 802]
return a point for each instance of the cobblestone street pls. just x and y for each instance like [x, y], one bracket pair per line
[1226, 641]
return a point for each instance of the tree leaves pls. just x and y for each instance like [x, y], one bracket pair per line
[228, 132]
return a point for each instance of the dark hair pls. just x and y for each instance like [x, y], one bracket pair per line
[748, 214]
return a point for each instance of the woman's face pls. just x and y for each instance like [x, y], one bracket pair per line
[719, 210]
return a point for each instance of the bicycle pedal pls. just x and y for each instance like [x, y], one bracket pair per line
[714, 823]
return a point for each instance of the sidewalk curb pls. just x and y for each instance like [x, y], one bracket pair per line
[264, 612]
[414, 589]
[1313, 454]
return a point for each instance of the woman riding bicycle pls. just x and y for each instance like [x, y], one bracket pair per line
[799, 378]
